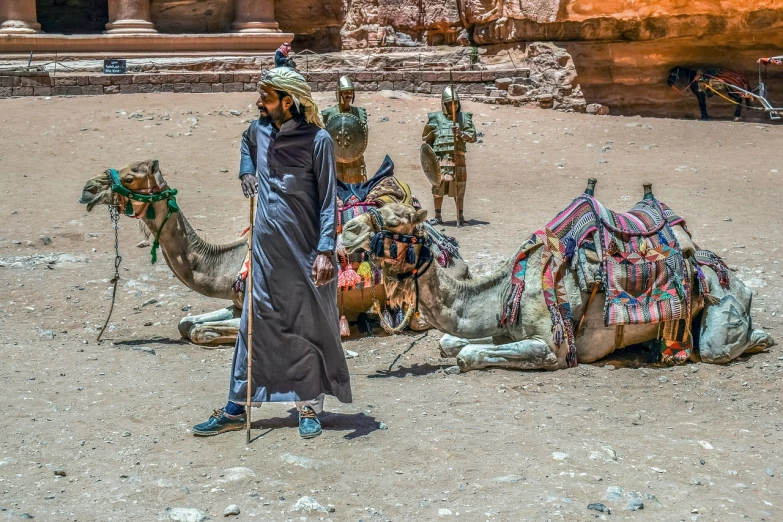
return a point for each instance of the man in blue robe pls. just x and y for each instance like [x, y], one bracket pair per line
[288, 161]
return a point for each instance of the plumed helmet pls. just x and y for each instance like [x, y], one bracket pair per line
[448, 96]
[345, 84]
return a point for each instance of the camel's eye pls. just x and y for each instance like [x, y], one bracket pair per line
[128, 179]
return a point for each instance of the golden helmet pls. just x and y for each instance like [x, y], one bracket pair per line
[345, 84]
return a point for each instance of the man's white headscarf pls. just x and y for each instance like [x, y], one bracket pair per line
[290, 81]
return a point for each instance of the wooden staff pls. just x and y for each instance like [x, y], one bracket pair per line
[249, 292]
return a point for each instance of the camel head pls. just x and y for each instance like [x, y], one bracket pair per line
[392, 236]
[141, 177]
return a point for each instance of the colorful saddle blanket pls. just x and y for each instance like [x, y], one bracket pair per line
[642, 269]
[353, 200]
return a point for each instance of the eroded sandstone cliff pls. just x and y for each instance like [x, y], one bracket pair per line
[622, 49]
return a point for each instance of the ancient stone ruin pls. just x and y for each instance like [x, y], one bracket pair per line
[613, 53]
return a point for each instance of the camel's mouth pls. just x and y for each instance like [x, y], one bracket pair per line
[96, 190]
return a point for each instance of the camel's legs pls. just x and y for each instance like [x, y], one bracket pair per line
[450, 345]
[187, 324]
[528, 354]
[215, 333]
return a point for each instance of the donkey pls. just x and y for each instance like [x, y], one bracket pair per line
[695, 80]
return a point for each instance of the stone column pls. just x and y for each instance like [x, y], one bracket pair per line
[18, 17]
[129, 17]
[254, 16]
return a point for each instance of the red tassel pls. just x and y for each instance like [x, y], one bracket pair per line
[348, 277]
[345, 329]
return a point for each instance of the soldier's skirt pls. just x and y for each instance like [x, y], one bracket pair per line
[353, 172]
[455, 188]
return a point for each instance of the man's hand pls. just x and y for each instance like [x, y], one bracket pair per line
[323, 270]
[458, 132]
[249, 185]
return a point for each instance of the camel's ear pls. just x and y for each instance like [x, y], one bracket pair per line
[420, 216]
[153, 166]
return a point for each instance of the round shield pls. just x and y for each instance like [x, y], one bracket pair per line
[430, 165]
[349, 136]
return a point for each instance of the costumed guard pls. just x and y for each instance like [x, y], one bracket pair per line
[348, 127]
[287, 158]
[446, 133]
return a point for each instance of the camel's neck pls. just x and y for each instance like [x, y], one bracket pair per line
[204, 267]
[466, 309]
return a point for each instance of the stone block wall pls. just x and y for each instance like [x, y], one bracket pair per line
[507, 86]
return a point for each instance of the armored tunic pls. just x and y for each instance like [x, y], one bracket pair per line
[353, 171]
[438, 134]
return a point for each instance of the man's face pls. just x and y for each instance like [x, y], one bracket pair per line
[270, 107]
[345, 98]
[447, 108]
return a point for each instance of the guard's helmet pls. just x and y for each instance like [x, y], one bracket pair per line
[448, 96]
[345, 84]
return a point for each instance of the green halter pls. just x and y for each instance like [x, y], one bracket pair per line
[171, 203]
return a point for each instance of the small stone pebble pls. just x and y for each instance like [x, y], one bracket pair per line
[634, 504]
[231, 510]
[60, 472]
[143, 243]
[597, 506]
[451, 370]
[383, 426]
[770, 472]
[663, 378]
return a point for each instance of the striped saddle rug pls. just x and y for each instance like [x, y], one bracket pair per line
[642, 269]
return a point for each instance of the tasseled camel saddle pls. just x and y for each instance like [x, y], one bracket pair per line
[640, 268]
[354, 270]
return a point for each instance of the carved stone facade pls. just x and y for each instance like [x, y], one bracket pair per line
[78, 26]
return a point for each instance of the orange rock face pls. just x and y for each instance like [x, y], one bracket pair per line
[622, 49]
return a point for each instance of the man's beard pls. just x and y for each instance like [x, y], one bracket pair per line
[266, 117]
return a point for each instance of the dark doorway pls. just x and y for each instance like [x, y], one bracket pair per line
[72, 16]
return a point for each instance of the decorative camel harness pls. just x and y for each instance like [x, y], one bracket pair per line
[414, 251]
[158, 193]
[120, 193]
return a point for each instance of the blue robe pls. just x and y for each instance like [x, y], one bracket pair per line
[297, 352]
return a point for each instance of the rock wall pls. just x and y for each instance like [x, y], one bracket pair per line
[622, 49]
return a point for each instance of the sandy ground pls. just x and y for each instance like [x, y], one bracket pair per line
[93, 432]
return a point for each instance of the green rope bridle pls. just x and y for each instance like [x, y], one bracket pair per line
[171, 204]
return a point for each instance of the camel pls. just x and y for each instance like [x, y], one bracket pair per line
[207, 268]
[468, 311]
